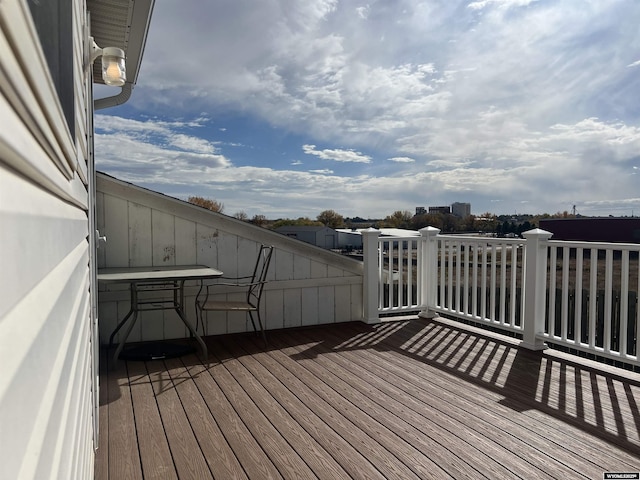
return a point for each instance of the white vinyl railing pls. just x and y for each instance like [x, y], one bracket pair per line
[480, 279]
[398, 261]
[581, 295]
[592, 302]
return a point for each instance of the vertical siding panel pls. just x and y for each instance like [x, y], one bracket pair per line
[245, 252]
[343, 303]
[357, 302]
[283, 265]
[216, 323]
[139, 235]
[318, 270]
[238, 322]
[310, 310]
[301, 267]
[326, 304]
[163, 242]
[273, 308]
[116, 229]
[334, 272]
[292, 308]
[185, 235]
[206, 245]
[102, 247]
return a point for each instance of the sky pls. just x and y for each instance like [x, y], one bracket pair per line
[287, 108]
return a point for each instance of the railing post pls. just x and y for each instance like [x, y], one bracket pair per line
[535, 285]
[428, 271]
[371, 284]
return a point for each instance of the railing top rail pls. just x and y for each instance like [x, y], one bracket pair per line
[599, 245]
[407, 239]
[486, 240]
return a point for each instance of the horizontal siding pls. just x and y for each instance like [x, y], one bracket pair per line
[46, 414]
[307, 285]
[37, 232]
[40, 336]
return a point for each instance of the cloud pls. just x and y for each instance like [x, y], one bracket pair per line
[337, 155]
[401, 159]
[325, 171]
[148, 149]
[481, 4]
[528, 100]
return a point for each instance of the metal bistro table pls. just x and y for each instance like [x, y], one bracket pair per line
[156, 280]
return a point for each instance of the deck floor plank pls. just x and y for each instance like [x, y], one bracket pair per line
[371, 453]
[255, 462]
[389, 431]
[155, 454]
[314, 455]
[187, 457]
[278, 383]
[217, 452]
[367, 442]
[124, 459]
[273, 442]
[409, 399]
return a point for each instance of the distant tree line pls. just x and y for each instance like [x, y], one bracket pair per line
[503, 225]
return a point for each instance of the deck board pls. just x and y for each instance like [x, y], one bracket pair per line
[410, 399]
[155, 454]
[216, 450]
[185, 450]
[124, 459]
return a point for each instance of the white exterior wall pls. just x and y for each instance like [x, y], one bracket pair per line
[46, 368]
[307, 285]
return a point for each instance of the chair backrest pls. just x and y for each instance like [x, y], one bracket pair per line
[259, 277]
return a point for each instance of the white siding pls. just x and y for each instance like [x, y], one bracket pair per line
[307, 285]
[46, 424]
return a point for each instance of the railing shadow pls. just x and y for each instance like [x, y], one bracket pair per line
[597, 402]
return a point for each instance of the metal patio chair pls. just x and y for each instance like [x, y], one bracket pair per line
[253, 285]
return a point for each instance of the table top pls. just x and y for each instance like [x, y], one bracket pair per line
[165, 273]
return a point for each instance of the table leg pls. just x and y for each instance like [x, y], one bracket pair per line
[183, 317]
[132, 311]
[124, 320]
[126, 335]
[193, 332]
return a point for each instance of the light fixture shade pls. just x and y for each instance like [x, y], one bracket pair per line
[114, 72]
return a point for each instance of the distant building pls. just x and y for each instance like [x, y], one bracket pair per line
[461, 210]
[601, 229]
[446, 209]
[320, 236]
[421, 210]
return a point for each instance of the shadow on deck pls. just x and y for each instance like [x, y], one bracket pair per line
[410, 399]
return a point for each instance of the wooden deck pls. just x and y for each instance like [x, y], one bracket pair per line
[411, 399]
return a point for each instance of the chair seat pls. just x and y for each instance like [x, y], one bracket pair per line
[252, 293]
[232, 306]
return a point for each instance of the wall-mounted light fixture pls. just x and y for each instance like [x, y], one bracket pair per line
[113, 68]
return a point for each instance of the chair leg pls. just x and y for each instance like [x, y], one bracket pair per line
[264, 335]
